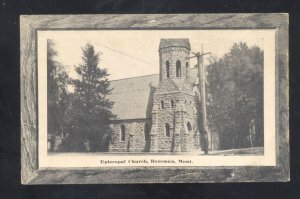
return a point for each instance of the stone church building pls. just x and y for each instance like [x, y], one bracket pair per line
[159, 113]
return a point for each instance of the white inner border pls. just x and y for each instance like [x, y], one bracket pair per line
[94, 160]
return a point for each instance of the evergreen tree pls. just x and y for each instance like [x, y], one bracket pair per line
[92, 114]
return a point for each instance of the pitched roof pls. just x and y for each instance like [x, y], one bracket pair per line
[176, 42]
[133, 97]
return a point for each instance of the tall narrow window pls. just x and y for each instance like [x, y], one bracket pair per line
[122, 133]
[162, 104]
[168, 68]
[189, 127]
[172, 104]
[178, 68]
[187, 69]
[147, 132]
[168, 130]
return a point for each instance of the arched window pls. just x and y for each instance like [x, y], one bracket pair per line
[187, 69]
[168, 68]
[162, 104]
[168, 130]
[122, 133]
[172, 104]
[189, 126]
[178, 68]
[147, 132]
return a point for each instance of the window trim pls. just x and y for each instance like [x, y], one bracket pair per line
[167, 69]
[187, 69]
[188, 124]
[147, 132]
[178, 69]
[122, 133]
[172, 104]
[167, 130]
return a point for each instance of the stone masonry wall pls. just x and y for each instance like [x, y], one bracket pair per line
[177, 117]
[172, 55]
[183, 110]
[135, 139]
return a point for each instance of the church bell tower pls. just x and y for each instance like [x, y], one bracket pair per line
[173, 55]
[173, 116]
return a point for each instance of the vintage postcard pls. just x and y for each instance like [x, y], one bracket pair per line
[158, 98]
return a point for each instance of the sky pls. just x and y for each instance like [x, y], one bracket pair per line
[141, 47]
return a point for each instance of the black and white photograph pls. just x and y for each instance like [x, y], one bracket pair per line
[158, 95]
[167, 94]
[149, 99]
[136, 92]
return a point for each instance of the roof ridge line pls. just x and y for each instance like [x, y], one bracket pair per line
[132, 77]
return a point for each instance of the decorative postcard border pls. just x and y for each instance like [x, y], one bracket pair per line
[31, 174]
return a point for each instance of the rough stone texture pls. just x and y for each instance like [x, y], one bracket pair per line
[172, 55]
[179, 90]
[135, 136]
[172, 88]
[31, 174]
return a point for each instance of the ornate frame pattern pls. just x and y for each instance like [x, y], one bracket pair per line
[30, 172]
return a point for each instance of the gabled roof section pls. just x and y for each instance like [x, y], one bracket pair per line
[133, 97]
[175, 42]
[167, 85]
